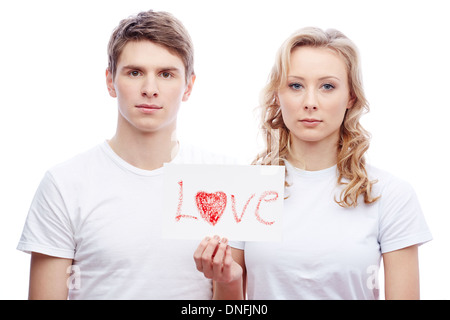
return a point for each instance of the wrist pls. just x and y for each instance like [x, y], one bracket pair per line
[231, 290]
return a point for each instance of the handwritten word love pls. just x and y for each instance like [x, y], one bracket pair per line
[211, 206]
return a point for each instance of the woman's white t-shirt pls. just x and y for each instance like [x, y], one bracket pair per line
[330, 252]
[106, 215]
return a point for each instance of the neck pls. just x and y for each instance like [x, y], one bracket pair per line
[145, 150]
[313, 156]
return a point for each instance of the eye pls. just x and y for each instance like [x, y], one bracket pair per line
[295, 86]
[328, 86]
[134, 73]
[166, 75]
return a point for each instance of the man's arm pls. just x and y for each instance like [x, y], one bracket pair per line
[48, 277]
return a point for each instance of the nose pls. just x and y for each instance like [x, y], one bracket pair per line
[150, 87]
[310, 102]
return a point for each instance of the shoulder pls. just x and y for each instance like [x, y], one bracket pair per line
[387, 182]
[401, 220]
[397, 196]
[77, 167]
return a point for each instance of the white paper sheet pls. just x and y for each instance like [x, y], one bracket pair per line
[242, 203]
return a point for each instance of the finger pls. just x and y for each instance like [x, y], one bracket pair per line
[207, 257]
[199, 252]
[227, 263]
[218, 258]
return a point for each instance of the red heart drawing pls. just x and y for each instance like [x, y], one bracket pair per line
[211, 205]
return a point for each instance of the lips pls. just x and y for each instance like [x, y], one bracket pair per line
[310, 122]
[148, 109]
[149, 106]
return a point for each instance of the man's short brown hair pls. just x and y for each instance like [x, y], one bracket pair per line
[161, 28]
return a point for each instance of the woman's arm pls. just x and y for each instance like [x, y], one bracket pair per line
[401, 274]
[224, 265]
[48, 277]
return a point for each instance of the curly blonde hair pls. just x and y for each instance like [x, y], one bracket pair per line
[353, 138]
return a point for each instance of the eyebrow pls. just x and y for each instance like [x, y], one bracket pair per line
[166, 69]
[320, 79]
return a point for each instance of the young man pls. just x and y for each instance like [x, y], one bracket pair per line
[94, 226]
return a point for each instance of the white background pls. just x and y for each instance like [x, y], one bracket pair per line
[54, 103]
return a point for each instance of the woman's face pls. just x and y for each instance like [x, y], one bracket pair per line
[316, 95]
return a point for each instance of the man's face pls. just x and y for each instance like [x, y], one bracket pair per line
[150, 84]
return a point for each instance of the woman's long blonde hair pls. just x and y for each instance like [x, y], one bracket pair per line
[353, 139]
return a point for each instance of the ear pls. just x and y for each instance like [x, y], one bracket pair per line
[352, 101]
[110, 84]
[276, 99]
[189, 86]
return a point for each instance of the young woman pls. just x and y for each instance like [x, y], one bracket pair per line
[341, 216]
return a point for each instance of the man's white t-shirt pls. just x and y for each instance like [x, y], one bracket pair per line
[106, 215]
[330, 252]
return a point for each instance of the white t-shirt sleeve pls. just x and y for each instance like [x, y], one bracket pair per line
[402, 222]
[48, 228]
[237, 244]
